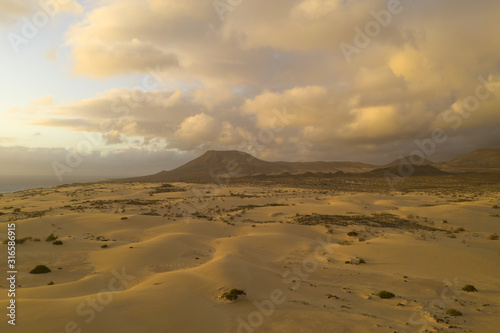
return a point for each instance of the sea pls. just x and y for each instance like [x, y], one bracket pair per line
[10, 184]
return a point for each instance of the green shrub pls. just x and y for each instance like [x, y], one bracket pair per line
[385, 294]
[352, 233]
[493, 237]
[51, 283]
[233, 294]
[469, 288]
[40, 269]
[453, 312]
[23, 240]
[51, 238]
[57, 243]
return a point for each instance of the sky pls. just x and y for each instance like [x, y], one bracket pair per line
[133, 87]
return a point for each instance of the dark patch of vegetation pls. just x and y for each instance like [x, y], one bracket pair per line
[104, 246]
[51, 238]
[453, 312]
[58, 242]
[51, 283]
[385, 294]
[247, 207]
[124, 218]
[469, 288]
[352, 233]
[382, 220]
[233, 294]
[151, 213]
[19, 240]
[108, 204]
[200, 215]
[493, 237]
[40, 269]
[19, 215]
[166, 188]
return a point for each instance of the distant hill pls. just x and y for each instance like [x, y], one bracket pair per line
[407, 159]
[239, 164]
[486, 158]
[418, 170]
[235, 164]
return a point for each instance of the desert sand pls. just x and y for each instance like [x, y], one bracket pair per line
[146, 258]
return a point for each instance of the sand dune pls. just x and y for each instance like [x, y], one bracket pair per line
[175, 254]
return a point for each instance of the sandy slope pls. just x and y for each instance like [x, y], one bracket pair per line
[165, 272]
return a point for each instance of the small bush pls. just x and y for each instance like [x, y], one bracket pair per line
[233, 294]
[40, 269]
[352, 233]
[51, 283]
[385, 294]
[493, 237]
[57, 243]
[104, 246]
[495, 207]
[23, 240]
[17, 210]
[469, 288]
[453, 312]
[51, 238]
[124, 218]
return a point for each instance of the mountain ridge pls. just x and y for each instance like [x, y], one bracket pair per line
[216, 165]
[233, 163]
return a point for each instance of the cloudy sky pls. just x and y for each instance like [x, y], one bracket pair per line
[132, 87]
